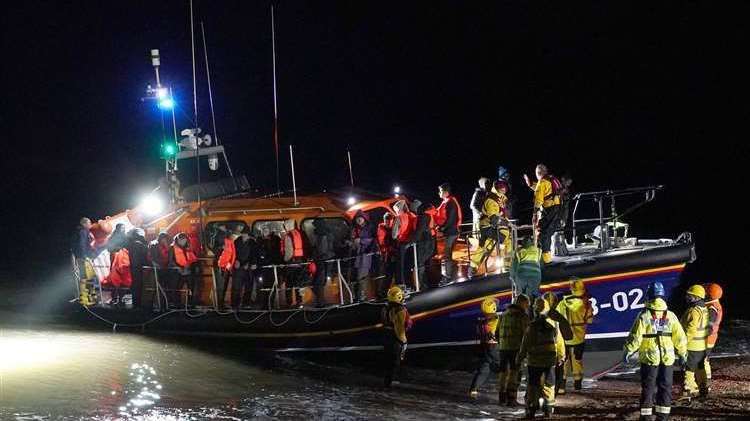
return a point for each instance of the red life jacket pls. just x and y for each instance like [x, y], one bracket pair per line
[184, 257]
[384, 237]
[407, 225]
[442, 212]
[228, 255]
[299, 252]
[715, 314]
[556, 186]
[119, 274]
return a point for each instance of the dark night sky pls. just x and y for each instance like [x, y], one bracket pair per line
[617, 94]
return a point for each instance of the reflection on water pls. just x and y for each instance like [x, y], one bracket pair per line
[70, 375]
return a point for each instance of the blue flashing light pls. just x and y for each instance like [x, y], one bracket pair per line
[166, 104]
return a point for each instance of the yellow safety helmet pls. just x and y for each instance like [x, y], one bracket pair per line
[489, 306]
[577, 287]
[550, 298]
[698, 291]
[541, 306]
[395, 295]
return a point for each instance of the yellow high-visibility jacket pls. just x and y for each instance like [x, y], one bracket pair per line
[657, 335]
[511, 327]
[543, 195]
[540, 344]
[695, 323]
[578, 313]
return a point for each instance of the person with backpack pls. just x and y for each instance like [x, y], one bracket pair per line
[396, 322]
[547, 203]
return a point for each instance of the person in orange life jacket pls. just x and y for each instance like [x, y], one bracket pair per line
[547, 203]
[138, 252]
[448, 219]
[119, 275]
[386, 245]
[292, 248]
[246, 271]
[188, 270]
[715, 315]
[403, 227]
[159, 256]
[117, 240]
[226, 263]
[424, 238]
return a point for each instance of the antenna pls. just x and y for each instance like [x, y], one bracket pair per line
[351, 173]
[192, 49]
[275, 103]
[294, 182]
[211, 99]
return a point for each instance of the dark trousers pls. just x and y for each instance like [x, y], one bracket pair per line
[549, 223]
[192, 281]
[509, 374]
[489, 361]
[405, 263]
[323, 271]
[392, 353]
[450, 265]
[389, 270]
[242, 279]
[221, 293]
[136, 288]
[540, 384]
[656, 382]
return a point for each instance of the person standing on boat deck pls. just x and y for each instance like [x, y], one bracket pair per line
[138, 251]
[576, 308]
[551, 299]
[227, 259]
[544, 352]
[526, 270]
[448, 219]
[117, 240]
[547, 204]
[269, 255]
[159, 255]
[188, 270]
[490, 227]
[292, 249]
[396, 322]
[510, 330]
[323, 252]
[245, 269]
[363, 245]
[695, 323]
[82, 246]
[403, 227]
[386, 245]
[424, 239]
[504, 175]
[487, 330]
[658, 338]
[715, 314]
[477, 202]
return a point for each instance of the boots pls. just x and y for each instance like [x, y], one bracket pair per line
[578, 384]
[548, 411]
[502, 398]
[511, 401]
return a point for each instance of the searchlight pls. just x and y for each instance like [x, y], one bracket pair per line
[151, 205]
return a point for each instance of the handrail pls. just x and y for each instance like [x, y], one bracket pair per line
[279, 210]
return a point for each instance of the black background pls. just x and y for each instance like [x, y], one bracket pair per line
[618, 94]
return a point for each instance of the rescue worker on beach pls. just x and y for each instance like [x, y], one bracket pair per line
[659, 339]
[715, 314]
[546, 208]
[544, 352]
[695, 323]
[526, 270]
[487, 329]
[551, 299]
[448, 219]
[396, 322]
[576, 308]
[510, 330]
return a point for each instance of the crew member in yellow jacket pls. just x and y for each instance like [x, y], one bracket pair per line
[576, 309]
[658, 338]
[695, 323]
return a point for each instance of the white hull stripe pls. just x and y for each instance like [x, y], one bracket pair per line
[606, 335]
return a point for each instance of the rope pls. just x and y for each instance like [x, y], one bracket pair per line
[237, 317]
[304, 315]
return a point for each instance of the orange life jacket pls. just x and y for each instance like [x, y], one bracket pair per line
[407, 224]
[119, 274]
[228, 255]
[184, 257]
[299, 252]
[442, 210]
[715, 314]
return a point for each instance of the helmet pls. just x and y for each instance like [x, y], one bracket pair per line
[656, 289]
[502, 173]
[713, 291]
[697, 291]
[550, 298]
[395, 295]
[541, 306]
[577, 287]
[489, 306]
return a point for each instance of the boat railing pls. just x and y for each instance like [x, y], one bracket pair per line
[469, 234]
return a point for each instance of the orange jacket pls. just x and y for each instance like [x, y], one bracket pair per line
[296, 236]
[407, 224]
[184, 257]
[228, 255]
[441, 215]
[715, 314]
[119, 274]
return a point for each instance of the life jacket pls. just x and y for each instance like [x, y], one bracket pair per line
[441, 214]
[657, 335]
[299, 251]
[119, 274]
[407, 225]
[228, 254]
[384, 238]
[715, 314]
[184, 257]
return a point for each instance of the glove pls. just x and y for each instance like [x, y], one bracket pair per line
[403, 351]
[681, 361]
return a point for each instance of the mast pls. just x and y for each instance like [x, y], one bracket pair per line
[275, 102]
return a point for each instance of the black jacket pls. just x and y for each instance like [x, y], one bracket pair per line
[248, 252]
[138, 252]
